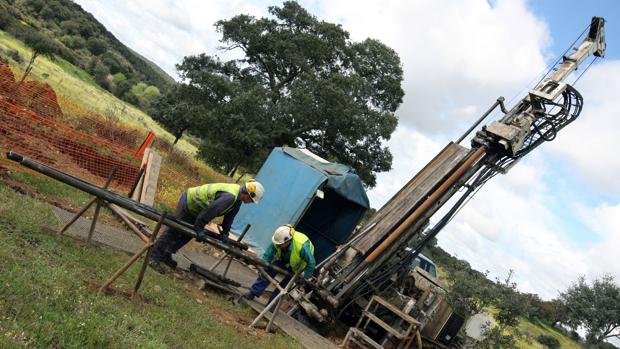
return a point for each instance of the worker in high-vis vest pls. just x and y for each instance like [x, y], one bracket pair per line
[198, 206]
[291, 250]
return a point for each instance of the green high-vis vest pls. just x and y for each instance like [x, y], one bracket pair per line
[199, 198]
[296, 262]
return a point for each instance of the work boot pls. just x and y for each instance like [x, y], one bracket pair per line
[248, 295]
[170, 262]
[201, 236]
[223, 238]
[156, 265]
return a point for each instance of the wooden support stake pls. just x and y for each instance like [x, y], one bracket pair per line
[275, 312]
[115, 209]
[88, 205]
[218, 262]
[77, 215]
[93, 224]
[276, 301]
[227, 255]
[148, 255]
[273, 281]
[125, 266]
[230, 259]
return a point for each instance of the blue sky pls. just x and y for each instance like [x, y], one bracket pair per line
[566, 20]
[554, 216]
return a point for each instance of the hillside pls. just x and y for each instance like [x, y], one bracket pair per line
[536, 318]
[77, 37]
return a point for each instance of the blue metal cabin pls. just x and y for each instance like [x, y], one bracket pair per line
[321, 199]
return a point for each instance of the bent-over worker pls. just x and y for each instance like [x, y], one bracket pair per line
[290, 250]
[198, 206]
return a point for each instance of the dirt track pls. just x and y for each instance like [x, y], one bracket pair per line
[130, 243]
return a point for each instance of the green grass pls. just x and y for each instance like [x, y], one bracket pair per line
[531, 331]
[75, 71]
[51, 187]
[48, 296]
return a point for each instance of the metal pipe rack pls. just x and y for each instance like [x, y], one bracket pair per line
[232, 247]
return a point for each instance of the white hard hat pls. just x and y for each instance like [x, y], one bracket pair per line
[283, 234]
[255, 190]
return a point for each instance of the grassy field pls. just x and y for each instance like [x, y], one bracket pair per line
[531, 331]
[78, 92]
[49, 299]
[528, 332]
[78, 87]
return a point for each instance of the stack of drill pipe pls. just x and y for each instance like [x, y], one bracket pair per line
[233, 247]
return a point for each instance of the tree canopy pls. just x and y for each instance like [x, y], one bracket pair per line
[298, 77]
[596, 308]
[176, 111]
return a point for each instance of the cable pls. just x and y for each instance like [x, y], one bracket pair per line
[563, 54]
[585, 70]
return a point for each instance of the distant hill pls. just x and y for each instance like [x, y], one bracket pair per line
[81, 40]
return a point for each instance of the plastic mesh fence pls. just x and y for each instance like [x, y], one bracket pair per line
[32, 123]
[52, 129]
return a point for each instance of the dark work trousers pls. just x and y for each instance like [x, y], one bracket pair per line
[262, 283]
[171, 241]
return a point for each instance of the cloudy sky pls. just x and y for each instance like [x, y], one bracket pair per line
[554, 216]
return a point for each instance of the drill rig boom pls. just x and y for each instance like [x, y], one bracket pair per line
[376, 262]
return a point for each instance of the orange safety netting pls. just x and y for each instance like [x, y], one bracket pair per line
[32, 123]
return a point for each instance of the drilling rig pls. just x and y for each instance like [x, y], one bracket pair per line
[372, 270]
[370, 279]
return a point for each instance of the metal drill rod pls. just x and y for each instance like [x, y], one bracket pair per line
[232, 247]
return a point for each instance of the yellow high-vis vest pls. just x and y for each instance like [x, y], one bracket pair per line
[295, 261]
[198, 198]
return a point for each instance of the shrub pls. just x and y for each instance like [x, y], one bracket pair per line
[548, 341]
[96, 46]
[15, 56]
[109, 130]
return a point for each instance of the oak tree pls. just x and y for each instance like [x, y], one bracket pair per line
[595, 308]
[298, 77]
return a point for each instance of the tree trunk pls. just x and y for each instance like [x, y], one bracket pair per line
[178, 136]
[234, 170]
[26, 72]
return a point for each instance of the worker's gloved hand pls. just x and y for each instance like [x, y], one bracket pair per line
[223, 237]
[302, 284]
[201, 235]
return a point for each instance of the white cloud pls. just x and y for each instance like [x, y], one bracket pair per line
[588, 144]
[509, 226]
[458, 56]
[166, 31]
[604, 220]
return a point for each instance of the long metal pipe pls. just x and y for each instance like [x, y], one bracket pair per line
[233, 247]
[500, 102]
[475, 156]
[327, 262]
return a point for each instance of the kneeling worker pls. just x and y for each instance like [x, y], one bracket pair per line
[198, 206]
[291, 250]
